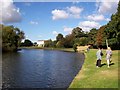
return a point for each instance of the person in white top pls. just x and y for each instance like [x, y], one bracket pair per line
[108, 55]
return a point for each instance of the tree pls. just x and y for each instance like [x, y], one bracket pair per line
[20, 35]
[75, 47]
[100, 38]
[77, 32]
[27, 43]
[11, 38]
[59, 37]
[81, 41]
[92, 36]
[112, 30]
[60, 44]
[69, 41]
[35, 43]
[48, 43]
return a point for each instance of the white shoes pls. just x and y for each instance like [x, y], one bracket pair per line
[97, 67]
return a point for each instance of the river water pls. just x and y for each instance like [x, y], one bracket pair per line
[36, 68]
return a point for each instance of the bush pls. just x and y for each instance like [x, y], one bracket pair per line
[75, 47]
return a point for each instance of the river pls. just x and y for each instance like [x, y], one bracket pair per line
[37, 68]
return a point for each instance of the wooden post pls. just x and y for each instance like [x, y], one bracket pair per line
[106, 43]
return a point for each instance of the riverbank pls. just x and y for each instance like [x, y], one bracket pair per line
[91, 77]
[61, 49]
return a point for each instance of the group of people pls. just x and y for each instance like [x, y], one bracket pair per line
[99, 55]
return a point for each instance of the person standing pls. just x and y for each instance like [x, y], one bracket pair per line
[108, 56]
[99, 55]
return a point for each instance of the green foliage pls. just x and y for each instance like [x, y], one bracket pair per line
[81, 41]
[77, 32]
[60, 44]
[75, 47]
[59, 37]
[69, 41]
[92, 36]
[11, 38]
[113, 29]
[35, 43]
[27, 43]
[49, 43]
[60, 41]
[118, 9]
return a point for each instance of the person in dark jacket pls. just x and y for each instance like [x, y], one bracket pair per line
[99, 57]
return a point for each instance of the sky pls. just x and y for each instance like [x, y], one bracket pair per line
[44, 20]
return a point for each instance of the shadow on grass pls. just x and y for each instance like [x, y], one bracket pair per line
[103, 64]
[112, 64]
[106, 64]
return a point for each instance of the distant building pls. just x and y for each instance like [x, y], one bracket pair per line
[40, 43]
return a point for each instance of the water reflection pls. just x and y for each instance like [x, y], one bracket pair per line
[32, 68]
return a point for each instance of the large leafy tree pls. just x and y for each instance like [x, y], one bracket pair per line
[112, 30]
[77, 32]
[60, 44]
[69, 41]
[92, 36]
[11, 37]
[60, 40]
[20, 35]
[100, 38]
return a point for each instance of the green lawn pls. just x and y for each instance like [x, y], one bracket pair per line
[92, 77]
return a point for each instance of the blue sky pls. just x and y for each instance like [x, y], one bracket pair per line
[44, 20]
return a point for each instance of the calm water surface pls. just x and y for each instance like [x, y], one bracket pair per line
[33, 68]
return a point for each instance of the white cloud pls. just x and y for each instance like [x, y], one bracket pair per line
[10, 13]
[85, 29]
[33, 22]
[39, 36]
[67, 29]
[55, 33]
[95, 17]
[88, 25]
[107, 7]
[59, 14]
[73, 12]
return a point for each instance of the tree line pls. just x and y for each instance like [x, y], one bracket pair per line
[12, 36]
[96, 37]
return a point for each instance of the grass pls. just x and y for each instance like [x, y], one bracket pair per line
[92, 77]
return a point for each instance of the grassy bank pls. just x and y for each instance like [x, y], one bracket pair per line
[92, 77]
[62, 49]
